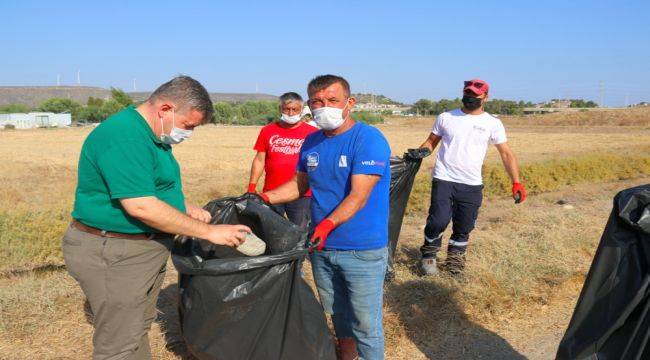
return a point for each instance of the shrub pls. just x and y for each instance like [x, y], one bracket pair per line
[10, 127]
[368, 117]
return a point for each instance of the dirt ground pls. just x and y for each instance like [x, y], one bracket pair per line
[526, 263]
[48, 320]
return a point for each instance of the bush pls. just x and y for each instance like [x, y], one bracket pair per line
[368, 117]
[10, 127]
[59, 105]
[14, 108]
[246, 113]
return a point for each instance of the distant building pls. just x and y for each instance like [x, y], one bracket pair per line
[35, 119]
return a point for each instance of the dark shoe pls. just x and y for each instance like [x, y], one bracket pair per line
[455, 264]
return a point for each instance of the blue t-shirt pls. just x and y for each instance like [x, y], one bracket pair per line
[330, 163]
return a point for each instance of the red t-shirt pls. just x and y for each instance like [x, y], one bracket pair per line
[282, 148]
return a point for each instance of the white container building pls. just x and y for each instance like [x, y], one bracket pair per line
[35, 120]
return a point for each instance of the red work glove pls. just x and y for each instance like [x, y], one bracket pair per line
[321, 232]
[252, 188]
[518, 192]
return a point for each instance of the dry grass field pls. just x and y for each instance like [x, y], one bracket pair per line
[526, 263]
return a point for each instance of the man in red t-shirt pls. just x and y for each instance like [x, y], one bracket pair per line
[278, 147]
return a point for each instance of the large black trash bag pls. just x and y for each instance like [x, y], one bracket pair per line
[237, 307]
[402, 175]
[612, 317]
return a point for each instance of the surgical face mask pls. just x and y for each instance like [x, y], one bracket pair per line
[176, 135]
[290, 119]
[329, 118]
[471, 103]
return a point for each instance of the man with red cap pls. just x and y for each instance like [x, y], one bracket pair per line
[456, 190]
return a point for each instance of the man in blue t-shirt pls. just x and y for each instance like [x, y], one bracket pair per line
[347, 167]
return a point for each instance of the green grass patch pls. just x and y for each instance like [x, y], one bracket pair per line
[544, 176]
[368, 117]
[30, 238]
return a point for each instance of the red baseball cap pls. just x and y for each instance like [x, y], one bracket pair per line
[477, 86]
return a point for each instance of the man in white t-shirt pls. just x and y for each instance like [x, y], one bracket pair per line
[457, 187]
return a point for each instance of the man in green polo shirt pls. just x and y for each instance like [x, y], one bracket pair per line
[129, 204]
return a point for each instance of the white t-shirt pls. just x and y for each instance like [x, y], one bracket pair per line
[464, 142]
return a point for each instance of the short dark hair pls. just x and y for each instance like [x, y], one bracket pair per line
[290, 96]
[186, 92]
[320, 82]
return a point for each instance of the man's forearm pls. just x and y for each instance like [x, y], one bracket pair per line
[257, 168]
[347, 209]
[287, 192]
[512, 168]
[159, 215]
[427, 145]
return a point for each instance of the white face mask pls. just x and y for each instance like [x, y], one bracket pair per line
[293, 119]
[329, 118]
[176, 135]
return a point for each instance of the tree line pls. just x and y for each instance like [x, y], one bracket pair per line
[95, 109]
[497, 106]
[257, 112]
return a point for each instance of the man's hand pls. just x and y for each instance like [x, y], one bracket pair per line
[198, 213]
[229, 235]
[419, 153]
[252, 188]
[518, 192]
[321, 232]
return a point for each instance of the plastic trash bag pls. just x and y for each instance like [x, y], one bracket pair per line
[402, 175]
[238, 307]
[612, 317]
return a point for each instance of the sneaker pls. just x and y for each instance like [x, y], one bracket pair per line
[429, 266]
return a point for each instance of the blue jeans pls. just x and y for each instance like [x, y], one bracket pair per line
[350, 285]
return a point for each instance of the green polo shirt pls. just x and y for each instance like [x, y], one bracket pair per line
[122, 158]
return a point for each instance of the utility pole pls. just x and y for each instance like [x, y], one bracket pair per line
[601, 93]
[78, 77]
[58, 79]
[257, 88]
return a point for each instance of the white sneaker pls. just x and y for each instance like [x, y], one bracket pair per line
[429, 266]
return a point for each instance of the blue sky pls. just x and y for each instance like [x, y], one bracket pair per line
[407, 50]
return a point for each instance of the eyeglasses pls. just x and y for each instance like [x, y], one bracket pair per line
[477, 85]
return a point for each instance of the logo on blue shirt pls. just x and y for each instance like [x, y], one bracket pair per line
[312, 161]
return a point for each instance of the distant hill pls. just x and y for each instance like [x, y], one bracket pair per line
[377, 99]
[32, 96]
[216, 97]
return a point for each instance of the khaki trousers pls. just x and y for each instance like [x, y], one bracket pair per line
[121, 279]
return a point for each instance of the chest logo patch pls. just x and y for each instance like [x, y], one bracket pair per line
[312, 161]
[343, 161]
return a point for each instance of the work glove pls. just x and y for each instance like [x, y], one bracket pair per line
[419, 153]
[260, 198]
[321, 232]
[518, 192]
[252, 188]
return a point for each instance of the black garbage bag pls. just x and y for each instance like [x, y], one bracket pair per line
[612, 317]
[237, 307]
[402, 175]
